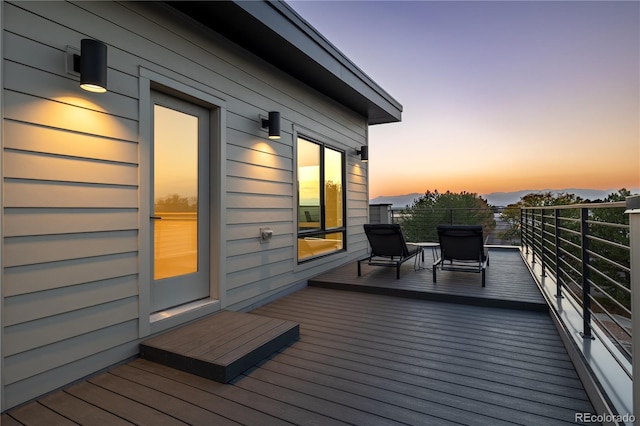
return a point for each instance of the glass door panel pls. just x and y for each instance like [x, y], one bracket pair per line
[176, 193]
[180, 199]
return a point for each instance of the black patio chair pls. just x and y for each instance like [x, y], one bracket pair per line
[388, 247]
[461, 249]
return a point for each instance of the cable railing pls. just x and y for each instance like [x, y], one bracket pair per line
[586, 249]
[421, 224]
[582, 257]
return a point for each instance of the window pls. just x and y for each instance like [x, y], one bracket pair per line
[321, 227]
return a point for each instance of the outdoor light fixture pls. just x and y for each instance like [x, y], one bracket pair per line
[273, 123]
[363, 152]
[92, 65]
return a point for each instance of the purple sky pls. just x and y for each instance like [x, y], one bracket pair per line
[497, 96]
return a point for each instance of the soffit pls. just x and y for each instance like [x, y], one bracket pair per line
[276, 33]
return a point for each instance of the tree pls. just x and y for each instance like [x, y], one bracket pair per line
[333, 204]
[511, 213]
[420, 220]
[619, 236]
[610, 260]
[176, 203]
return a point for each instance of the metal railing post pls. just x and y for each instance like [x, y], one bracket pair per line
[523, 226]
[542, 261]
[556, 233]
[633, 210]
[586, 275]
[533, 236]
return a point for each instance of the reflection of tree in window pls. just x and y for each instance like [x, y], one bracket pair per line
[333, 204]
[333, 187]
[176, 203]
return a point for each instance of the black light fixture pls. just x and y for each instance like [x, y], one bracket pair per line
[273, 124]
[92, 65]
[363, 152]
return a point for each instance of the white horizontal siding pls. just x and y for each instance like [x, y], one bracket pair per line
[70, 363]
[243, 291]
[48, 221]
[46, 276]
[29, 80]
[28, 165]
[34, 334]
[31, 250]
[26, 137]
[259, 172]
[33, 306]
[19, 193]
[40, 360]
[71, 204]
[248, 185]
[50, 113]
[241, 232]
[248, 201]
[71, 195]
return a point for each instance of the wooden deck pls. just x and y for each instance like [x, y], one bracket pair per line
[509, 283]
[220, 346]
[364, 359]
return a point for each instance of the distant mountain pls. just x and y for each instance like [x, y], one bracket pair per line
[502, 198]
[396, 200]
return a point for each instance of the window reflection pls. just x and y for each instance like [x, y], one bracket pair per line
[320, 172]
[333, 188]
[175, 235]
[309, 213]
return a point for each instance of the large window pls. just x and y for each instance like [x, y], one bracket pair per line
[321, 227]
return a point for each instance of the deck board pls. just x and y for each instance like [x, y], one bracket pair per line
[508, 282]
[247, 399]
[131, 410]
[35, 413]
[548, 392]
[360, 359]
[196, 396]
[80, 411]
[159, 401]
[221, 346]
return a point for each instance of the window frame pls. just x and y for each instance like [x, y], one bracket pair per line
[322, 231]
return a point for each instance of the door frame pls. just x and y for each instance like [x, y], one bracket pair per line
[153, 81]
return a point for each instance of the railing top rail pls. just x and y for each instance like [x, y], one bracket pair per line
[444, 208]
[614, 204]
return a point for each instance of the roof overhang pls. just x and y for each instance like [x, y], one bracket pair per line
[273, 31]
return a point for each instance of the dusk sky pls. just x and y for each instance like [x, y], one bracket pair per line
[497, 96]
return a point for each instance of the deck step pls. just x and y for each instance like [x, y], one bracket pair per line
[221, 346]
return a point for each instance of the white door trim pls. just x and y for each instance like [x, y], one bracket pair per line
[151, 80]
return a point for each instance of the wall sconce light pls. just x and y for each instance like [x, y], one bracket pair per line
[273, 124]
[363, 152]
[92, 65]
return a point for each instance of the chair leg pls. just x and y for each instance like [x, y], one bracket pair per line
[434, 273]
[483, 279]
[398, 271]
[359, 271]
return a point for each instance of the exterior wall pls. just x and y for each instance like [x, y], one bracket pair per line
[380, 213]
[2, 404]
[75, 249]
